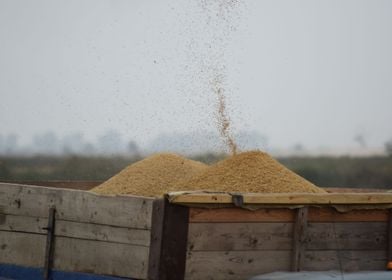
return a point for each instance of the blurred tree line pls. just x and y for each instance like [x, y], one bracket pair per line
[365, 172]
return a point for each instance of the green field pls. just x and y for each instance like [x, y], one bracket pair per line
[364, 172]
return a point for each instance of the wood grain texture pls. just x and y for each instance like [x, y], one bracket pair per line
[299, 238]
[236, 265]
[278, 236]
[75, 255]
[239, 236]
[158, 213]
[101, 258]
[347, 236]
[174, 242]
[232, 215]
[389, 236]
[329, 214]
[325, 214]
[346, 260]
[76, 185]
[77, 230]
[283, 198]
[22, 249]
[231, 265]
[75, 205]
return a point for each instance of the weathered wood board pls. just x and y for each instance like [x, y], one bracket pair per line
[235, 215]
[347, 236]
[72, 254]
[194, 198]
[345, 260]
[75, 205]
[227, 265]
[278, 236]
[240, 236]
[94, 234]
[235, 243]
[236, 265]
[78, 230]
[22, 249]
[299, 238]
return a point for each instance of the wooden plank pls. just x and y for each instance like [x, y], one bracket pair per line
[389, 239]
[233, 215]
[345, 260]
[101, 258]
[140, 237]
[239, 236]
[23, 223]
[329, 214]
[235, 265]
[22, 249]
[278, 236]
[347, 236]
[77, 185]
[75, 255]
[284, 198]
[76, 230]
[75, 205]
[299, 238]
[316, 214]
[174, 242]
[199, 198]
[156, 239]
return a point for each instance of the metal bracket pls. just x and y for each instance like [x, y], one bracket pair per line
[238, 200]
[49, 242]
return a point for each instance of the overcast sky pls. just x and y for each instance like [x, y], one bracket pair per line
[311, 72]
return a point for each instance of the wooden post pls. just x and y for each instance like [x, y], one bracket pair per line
[49, 243]
[169, 236]
[389, 237]
[299, 238]
[156, 238]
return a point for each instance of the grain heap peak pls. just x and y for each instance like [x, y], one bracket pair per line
[253, 171]
[152, 176]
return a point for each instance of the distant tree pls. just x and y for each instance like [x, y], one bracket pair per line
[298, 147]
[11, 144]
[46, 143]
[1, 144]
[133, 148]
[388, 147]
[89, 149]
[111, 143]
[4, 171]
[361, 140]
[73, 143]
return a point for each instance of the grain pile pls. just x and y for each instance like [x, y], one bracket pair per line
[152, 176]
[248, 172]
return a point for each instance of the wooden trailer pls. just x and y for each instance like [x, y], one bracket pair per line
[237, 236]
[54, 233]
[57, 233]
